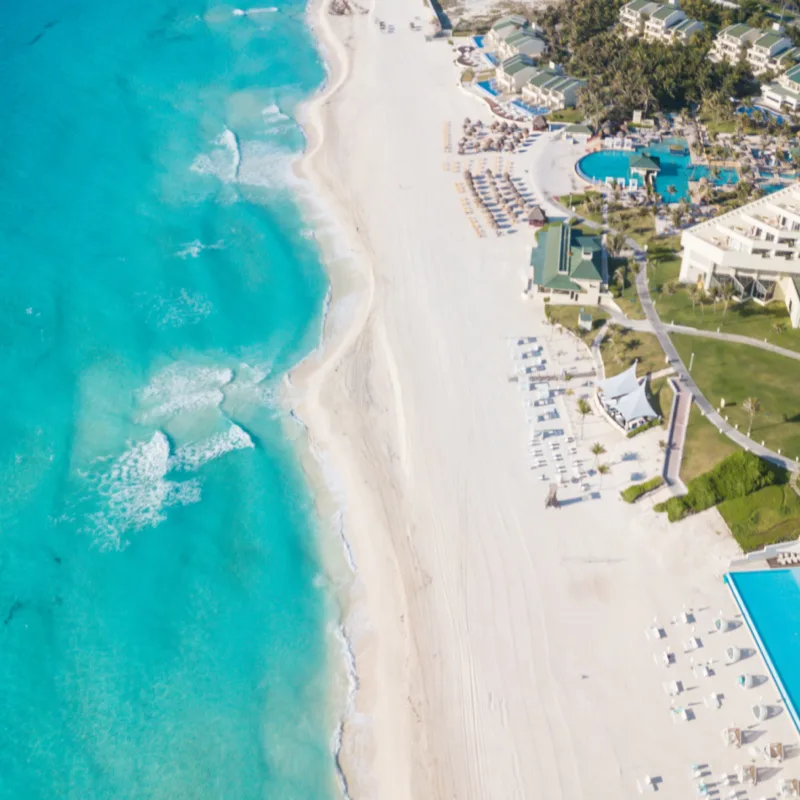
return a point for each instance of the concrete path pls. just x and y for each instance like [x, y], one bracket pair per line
[687, 384]
[678, 425]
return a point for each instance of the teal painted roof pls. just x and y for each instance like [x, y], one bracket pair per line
[664, 12]
[769, 40]
[515, 64]
[512, 19]
[637, 5]
[737, 31]
[542, 77]
[687, 23]
[643, 162]
[520, 36]
[563, 256]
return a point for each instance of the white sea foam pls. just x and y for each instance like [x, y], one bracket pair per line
[181, 388]
[224, 159]
[193, 249]
[265, 165]
[193, 456]
[239, 12]
[136, 492]
[352, 690]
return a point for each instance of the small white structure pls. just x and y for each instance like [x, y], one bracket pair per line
[732, 737]
[732, 655]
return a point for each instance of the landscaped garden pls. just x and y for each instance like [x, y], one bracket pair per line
[622, 346]
[737, 373]
[567, 317]
[771, 322]
[764, 517]
[705, 446]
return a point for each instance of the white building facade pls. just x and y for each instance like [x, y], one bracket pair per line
[664, 22]
[755, 250]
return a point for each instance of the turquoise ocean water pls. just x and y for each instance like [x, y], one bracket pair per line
[162, 620]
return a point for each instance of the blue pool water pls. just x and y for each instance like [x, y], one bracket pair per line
[676, 169]
[478, 41]
[770, 603]
[162, 616]
[489, 88]
[533, 111]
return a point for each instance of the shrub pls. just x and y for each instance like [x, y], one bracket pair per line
[646, 427]
[736, 476]
[636, 490]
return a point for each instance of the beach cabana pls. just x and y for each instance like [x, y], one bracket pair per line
[644, 167]
[635, 409]
[774, 752]
[619, 385]
[540, 123]
[537, 218]
[732, 654]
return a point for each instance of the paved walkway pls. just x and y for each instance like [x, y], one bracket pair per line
[653, 324]
[678, 426]
[687, 384]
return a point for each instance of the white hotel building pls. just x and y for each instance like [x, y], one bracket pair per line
[756, 248]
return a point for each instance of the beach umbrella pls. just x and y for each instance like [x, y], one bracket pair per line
[733, 654]
[760, 712]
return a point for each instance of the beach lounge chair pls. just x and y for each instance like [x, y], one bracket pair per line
[732, 655]
[773, 752]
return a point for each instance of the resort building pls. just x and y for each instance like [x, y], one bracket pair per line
[549, 87]
[567, 263]
[515, 72]
[665, 22]
[783, 94]
[624, 398]
[755, 250]
[525, 42]
[503, 28]
[763, 50]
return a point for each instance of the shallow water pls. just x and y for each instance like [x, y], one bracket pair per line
[164, 629]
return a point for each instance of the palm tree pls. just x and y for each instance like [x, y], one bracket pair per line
[726, 291]
[583, 409]
[694, 295]
[616, 243]
[597, 451]
[752, 405]
[603, 469]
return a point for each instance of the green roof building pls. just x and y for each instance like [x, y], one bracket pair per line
[567, 262]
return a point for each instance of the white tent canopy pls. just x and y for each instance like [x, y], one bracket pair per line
[635, 406]
[619, 385]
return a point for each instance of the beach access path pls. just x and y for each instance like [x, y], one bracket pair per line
[499, 646]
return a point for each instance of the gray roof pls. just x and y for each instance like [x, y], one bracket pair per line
[619, 385]
[635, 405]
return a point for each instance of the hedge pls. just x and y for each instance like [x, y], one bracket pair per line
[646, 427]
[636, 490]
[736, 476]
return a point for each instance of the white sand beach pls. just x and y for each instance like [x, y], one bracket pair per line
[500, 647]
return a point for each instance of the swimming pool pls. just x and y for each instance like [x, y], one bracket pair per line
[533, 111]
[489, 88]
[676, 168]
[478, 41]
[770, 603]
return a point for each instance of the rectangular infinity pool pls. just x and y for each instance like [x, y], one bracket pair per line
[770, 603]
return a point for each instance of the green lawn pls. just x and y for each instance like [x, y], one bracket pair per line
[735, 372]
[765, 517]
[637, 223]
[664, 261]
[660, 395]
[568, 317]
[770, 322]
[705, 446]
[628, 298]
[623, 346]
[568, 115]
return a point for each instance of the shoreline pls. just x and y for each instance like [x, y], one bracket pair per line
[351, 278]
